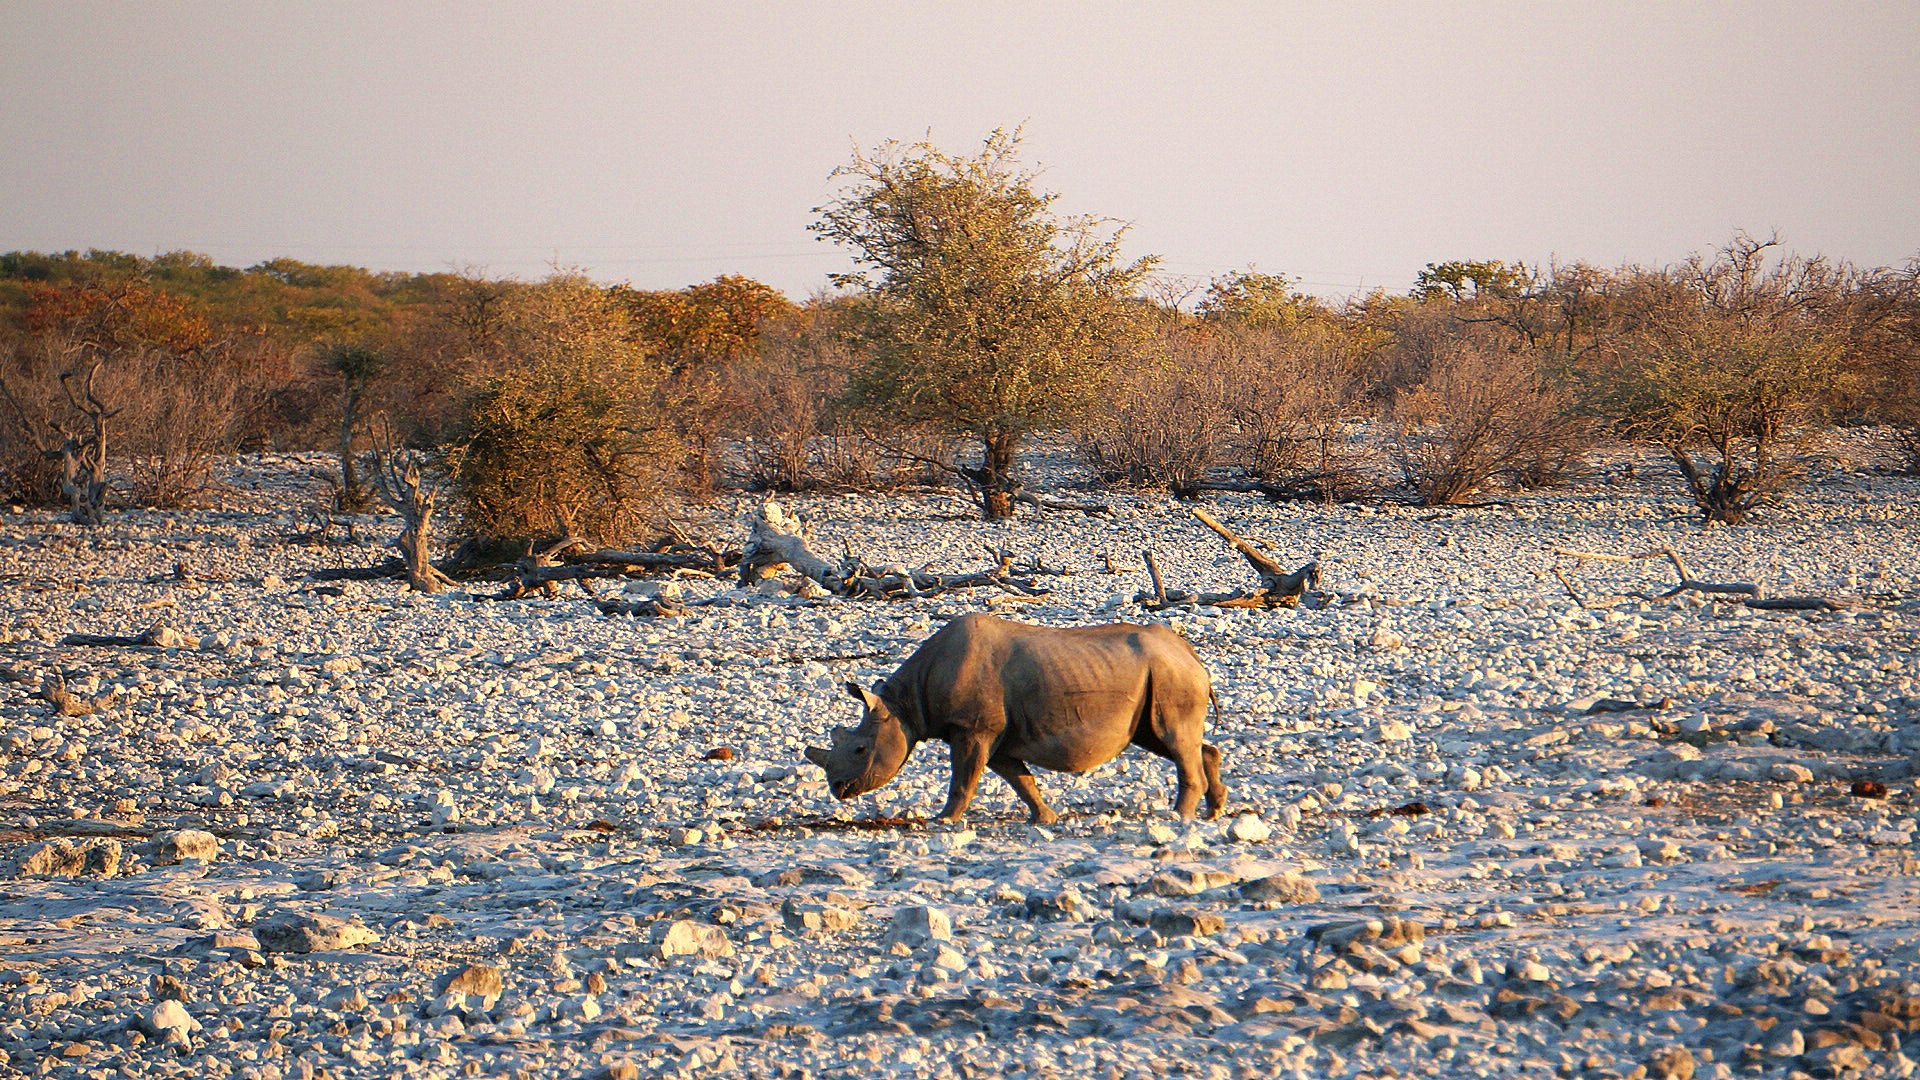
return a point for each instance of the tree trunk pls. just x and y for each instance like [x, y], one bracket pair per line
[353, 495]
[412, 497]
[77, 483]
[416, 550]
[84, 461]
[1721, 498]
[997, 487]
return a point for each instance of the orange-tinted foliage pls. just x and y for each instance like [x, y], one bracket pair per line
[108, 316]
[720, 320]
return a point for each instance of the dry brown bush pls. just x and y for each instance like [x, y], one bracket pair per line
[784, 400]
[31, 404]
[181, 414]
[847, 458]
[169, 417]
[1268, 403]
[794, 430]
[1883, 321]
[1291, 418]
[1482, 411]
[1168, 422]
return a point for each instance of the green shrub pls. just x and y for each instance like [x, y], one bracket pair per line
[572, 440]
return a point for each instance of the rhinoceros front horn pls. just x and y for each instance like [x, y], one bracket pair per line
[817, 756]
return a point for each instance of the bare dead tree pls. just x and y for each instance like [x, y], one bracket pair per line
[83, 458]
[82, 454]
[402, 486]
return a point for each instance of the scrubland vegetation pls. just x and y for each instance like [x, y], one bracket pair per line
[978, 318]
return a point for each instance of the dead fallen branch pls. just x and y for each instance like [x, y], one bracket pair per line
[775, 538]
[1688, 583]
[1321, 488]
[1618, 705]
[394, 566]
[321, 522]
[846, 659]
[1038, 502]
[710, 562]
[157, 636]
[64, 703]
[1279, 587]
[652, 606]
[540, 572]
[1153, 571]
[1033, 567]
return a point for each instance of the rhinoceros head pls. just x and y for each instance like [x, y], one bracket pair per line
[866, 757]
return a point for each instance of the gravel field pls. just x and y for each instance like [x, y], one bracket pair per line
[347, 831]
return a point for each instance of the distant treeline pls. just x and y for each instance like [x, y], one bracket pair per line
[575, 406]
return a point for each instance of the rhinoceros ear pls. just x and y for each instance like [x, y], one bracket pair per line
[862, 695]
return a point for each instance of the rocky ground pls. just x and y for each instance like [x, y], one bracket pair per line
[352, 832]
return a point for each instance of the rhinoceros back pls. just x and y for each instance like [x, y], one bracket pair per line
[1067, 699]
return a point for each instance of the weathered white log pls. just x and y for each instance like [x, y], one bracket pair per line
[773, 539]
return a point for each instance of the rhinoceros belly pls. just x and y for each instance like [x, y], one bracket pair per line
[1075, 731]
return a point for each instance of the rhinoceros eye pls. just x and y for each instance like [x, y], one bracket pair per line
[861, 749]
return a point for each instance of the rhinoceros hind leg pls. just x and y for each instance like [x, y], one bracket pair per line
[1188, 764]
[1017, 774]
[1216, 791]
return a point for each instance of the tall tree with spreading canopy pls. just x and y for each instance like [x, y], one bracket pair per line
[985, 313]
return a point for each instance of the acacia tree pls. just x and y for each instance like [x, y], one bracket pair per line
[985, 313]
[1726, 356]
[1250, 300]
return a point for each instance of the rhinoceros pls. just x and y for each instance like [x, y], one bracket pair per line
[1005, 695]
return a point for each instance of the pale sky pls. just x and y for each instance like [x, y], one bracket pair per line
[1345, 143]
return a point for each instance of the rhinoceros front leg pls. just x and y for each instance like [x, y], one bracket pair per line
[1023, 782]
[969, 762]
